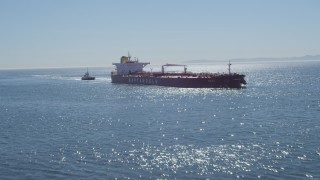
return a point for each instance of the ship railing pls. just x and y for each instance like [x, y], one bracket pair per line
[181, 75]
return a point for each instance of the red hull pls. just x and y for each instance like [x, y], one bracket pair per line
[170, 80]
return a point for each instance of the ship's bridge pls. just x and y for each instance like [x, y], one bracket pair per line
[126, 66]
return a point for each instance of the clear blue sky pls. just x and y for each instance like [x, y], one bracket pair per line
[66, 33]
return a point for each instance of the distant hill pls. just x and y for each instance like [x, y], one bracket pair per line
[306, 57]
[300, 58]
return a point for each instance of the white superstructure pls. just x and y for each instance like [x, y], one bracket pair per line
[126, 66]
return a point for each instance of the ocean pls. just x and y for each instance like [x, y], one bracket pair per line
[55, 126]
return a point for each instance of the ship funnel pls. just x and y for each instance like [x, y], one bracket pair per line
[124, 59]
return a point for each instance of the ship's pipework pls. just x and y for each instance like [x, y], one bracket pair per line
[184, 67]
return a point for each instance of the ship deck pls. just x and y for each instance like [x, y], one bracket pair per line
[180, 75]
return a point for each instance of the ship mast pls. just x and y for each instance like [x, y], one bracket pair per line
[129, 55]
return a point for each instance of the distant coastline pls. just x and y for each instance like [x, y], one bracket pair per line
[300, 58]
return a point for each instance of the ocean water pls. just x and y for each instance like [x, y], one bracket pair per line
[55, 126]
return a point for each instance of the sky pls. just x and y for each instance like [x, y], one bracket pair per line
[95, 33]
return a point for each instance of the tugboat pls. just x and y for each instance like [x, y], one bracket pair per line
[87, 76]
[131, 72]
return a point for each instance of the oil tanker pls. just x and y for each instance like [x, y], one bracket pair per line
[129, 71]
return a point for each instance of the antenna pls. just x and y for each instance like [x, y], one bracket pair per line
[129, 55]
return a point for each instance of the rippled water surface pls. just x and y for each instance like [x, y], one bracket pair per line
[53, 125]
